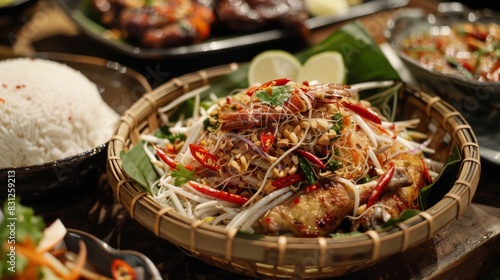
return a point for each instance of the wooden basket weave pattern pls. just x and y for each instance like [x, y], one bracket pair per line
[291, 256]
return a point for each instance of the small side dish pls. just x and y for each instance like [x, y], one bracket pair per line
[30, 250]
[468, 50]
[455, 54]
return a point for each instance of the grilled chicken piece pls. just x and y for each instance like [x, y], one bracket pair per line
[321, 211]
[310, 214]
[393, 203]
[253, 15]
[159, 24]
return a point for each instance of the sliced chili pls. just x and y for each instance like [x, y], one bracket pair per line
[312, 158]
[381, 184]
[163, 156]
[362, 112]
[277, 82]
[266, 140]
[287, 180]
[122, 270]
[311, 188]
[204, 157]
[168, 160]
[222, 195]
[426, 172]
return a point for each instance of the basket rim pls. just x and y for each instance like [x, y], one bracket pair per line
[275, 250]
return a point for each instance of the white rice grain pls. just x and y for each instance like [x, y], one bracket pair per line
[49, 111]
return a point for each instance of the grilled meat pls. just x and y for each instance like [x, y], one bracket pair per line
[319, 212]
[391, 204]
[252, 15]
[160, 23]
[169, 23]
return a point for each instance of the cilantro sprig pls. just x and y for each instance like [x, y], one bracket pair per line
[181, 175]
[277, 96]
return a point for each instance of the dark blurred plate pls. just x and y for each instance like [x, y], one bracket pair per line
[8, 7]
[120, 87]
[217, 43]
[478, 102]
[101, 256]
[14, 13]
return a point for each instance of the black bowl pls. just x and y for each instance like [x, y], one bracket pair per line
[101, 256]
[120, 87]
[478, 102]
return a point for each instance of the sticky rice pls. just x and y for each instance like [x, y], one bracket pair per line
[49, 111]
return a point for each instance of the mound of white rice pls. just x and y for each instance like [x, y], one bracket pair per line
[49, 111]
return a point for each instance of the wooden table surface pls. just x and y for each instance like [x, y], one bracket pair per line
[466, 249]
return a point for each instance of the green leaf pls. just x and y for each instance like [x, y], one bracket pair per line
[460, 68]
[20, 223]
[27, 224]
[433, 193]
[278, 96]
[306, 168]
[363, 57]
[181, 175]
[345, 234]
[138, 166]
[405, 215]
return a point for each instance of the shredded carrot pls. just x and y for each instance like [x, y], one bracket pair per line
[58, 253]
[35, 258]
[80, 262]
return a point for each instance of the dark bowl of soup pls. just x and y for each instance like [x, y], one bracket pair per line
[455, 54]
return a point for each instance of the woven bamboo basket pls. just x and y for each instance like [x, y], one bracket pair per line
[286, 257]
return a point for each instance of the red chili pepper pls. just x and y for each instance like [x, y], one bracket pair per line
[311, 188]
[479, 34]
[440, 44]
[163, 156]
[222, 195]
[266, 140]
[426, 172]
[312, 158]
[168, 160]
[277, 82]
[171, 148]
[362, 112]
[287, 181]
[122, 270]
[465, 64]
[204, 157]
[381, 184]
[494, 69]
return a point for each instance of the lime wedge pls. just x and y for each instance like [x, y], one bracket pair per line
[272, 64]
[326, 7]
[324, 67]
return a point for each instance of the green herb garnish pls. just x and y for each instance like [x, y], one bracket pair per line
[277, 97]
[181, 175]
